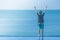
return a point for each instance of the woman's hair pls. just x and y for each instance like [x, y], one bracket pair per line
[40, 11]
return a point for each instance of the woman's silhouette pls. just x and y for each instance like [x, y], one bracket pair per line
[40, 20]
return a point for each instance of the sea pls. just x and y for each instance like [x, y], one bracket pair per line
[23, 25]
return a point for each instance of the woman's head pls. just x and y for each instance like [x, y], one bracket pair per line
[40, 12]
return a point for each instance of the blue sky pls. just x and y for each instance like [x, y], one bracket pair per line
[29, 4]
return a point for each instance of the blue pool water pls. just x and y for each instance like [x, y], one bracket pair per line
[24, 23]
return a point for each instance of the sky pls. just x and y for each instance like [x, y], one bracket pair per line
[28, 4]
